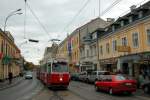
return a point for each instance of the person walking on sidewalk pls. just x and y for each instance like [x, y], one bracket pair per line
[10, 76]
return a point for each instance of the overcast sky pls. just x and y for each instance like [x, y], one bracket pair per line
[54, 15]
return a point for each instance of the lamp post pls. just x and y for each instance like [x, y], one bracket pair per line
[16, 12]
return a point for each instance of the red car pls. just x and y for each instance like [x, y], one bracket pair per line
[115, 84]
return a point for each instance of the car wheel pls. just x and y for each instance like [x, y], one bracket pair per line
[87, 80]
[146, 89]
[95, 80]
[110, 91]
[96, 88]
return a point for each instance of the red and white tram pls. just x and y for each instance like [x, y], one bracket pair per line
[54, 73]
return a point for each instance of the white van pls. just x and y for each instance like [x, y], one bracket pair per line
[95, 75]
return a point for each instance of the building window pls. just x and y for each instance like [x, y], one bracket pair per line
[2, 47]
[94, 35]
[95, 50]
[114, 45]
[148, 36]
[113, 28]
[107, 47]
[87, 53]
[140, 14]
[101, 50]
[135, 40]
[124, 41]
[130, 19]
[122, 23]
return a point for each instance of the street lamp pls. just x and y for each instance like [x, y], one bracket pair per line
[11, 14]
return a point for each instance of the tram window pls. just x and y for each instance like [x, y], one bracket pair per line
[59, 68]
[49, 68]
[49, 65]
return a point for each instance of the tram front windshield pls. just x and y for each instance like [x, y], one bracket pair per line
[59, 67]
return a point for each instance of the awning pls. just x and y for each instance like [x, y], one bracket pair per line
[6, 60]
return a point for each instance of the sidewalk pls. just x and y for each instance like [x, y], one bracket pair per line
[5, 84]
[140, 94]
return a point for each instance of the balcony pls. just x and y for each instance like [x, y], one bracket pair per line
[123, 48]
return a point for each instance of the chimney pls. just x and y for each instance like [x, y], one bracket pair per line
[110, 20]
[133, 7]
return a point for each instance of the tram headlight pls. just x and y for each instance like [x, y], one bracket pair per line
[60, 79]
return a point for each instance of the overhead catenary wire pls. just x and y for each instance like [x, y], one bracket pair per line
[110, 7]
[38, 20]
[76, 15]
[100, 14]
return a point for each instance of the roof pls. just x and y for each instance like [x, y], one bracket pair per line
[143, 7]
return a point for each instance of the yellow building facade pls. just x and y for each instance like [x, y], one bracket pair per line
[69, 49]
[74, 50]
[126, 47]
[10, 55]
[62, 50]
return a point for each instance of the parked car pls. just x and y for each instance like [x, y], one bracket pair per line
[83, 76]
[28, 75]
[75, 76]
[146, 87]
[95, 75]
[115, 84]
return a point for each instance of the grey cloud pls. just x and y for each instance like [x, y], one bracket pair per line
[55, 15]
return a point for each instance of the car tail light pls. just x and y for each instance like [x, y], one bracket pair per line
[128, 84]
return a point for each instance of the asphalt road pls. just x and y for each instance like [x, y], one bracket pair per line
[18, 92]
[82, 91]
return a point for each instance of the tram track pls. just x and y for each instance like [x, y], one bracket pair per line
[56, 96]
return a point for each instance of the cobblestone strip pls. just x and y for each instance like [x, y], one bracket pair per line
[39, 88]
[56, 96]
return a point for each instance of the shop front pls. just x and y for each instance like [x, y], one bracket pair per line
[84, 66]
[109, 64]
[144, 63]
[128, 65]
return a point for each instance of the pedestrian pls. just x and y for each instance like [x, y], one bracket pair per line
[140, 80]
[10, 76]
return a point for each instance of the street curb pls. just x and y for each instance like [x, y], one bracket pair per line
[12, 85]
[143, 97]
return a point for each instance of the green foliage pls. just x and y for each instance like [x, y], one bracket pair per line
[29, 66]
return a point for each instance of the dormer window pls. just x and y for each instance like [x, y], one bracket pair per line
[106, 29]
[113, 28]
[130, 19]
[140, 15]
[94, 35]
[122, 23]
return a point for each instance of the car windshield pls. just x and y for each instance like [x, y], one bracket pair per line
[119, 77]
[28, 73]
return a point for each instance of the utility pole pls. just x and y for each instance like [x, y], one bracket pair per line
[99, 8]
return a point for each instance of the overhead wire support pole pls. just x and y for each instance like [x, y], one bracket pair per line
[99, 8]
[25, 15]
[110, 7]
